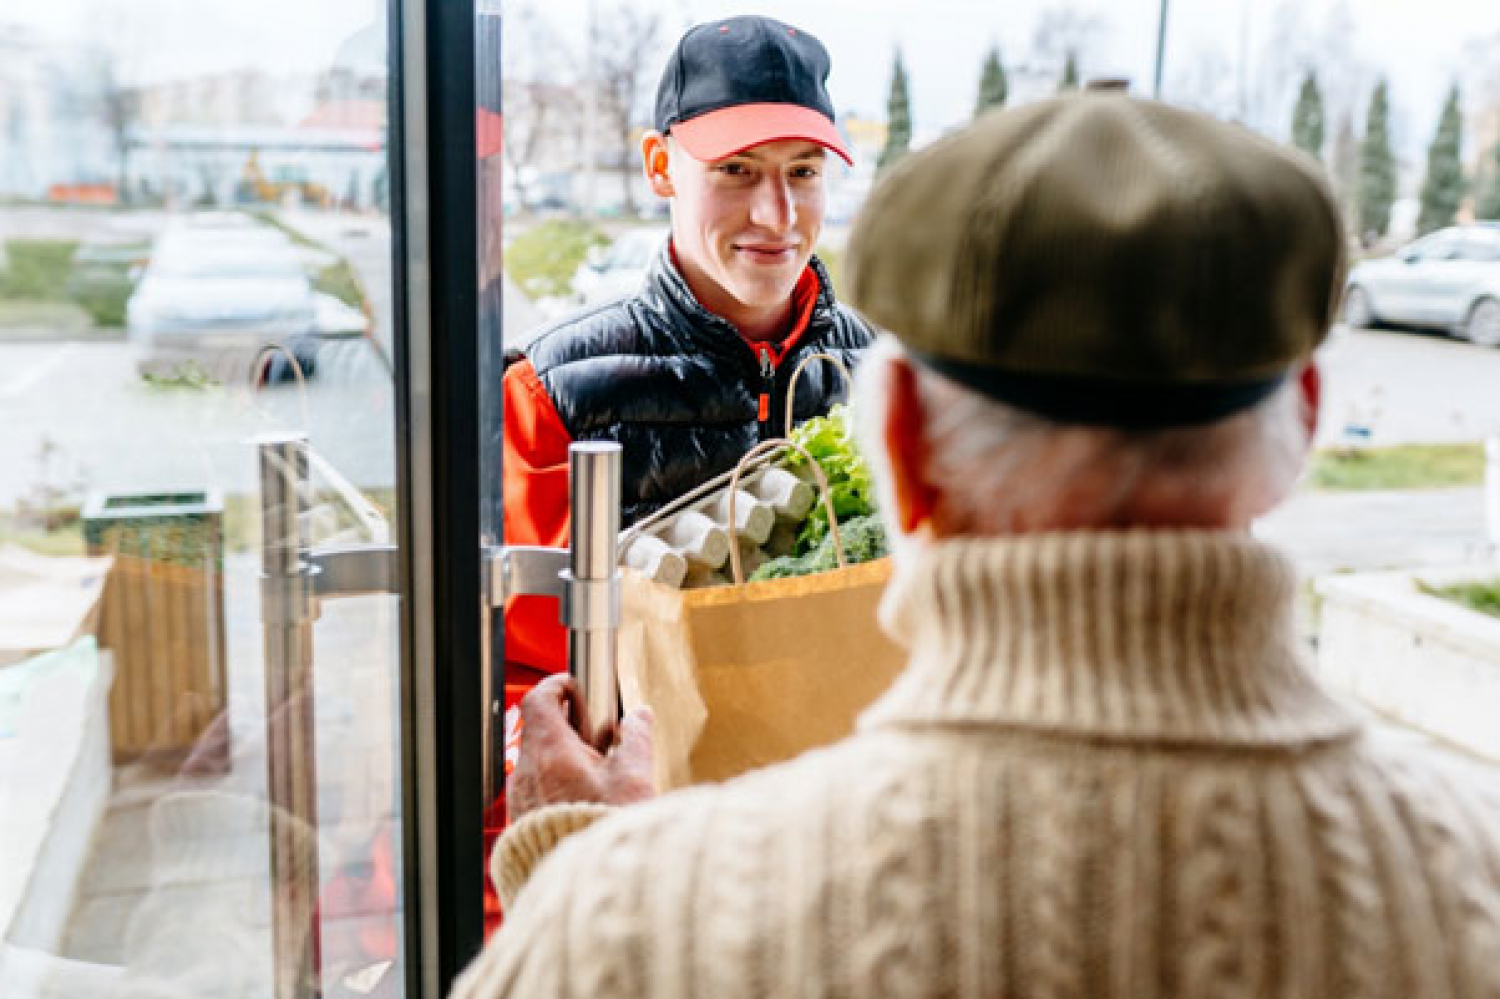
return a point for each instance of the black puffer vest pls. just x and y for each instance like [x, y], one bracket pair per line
[678, 387]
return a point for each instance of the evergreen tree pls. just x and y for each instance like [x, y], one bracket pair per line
[1307, 117]
[1488, 204]
[897, 118]
[1069, 79]
[1377, 168]
[992, 84]
[1443, 187]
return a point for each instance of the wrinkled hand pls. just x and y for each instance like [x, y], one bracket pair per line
[564, 759]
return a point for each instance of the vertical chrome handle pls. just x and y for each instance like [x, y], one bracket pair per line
[288, 609]
[592, 610]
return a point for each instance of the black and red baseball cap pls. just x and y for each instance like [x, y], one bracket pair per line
[745, 81]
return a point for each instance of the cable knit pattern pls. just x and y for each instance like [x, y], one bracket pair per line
[532, 837]
[1356, 931]
[1104, 773]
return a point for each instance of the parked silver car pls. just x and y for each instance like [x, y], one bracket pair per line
[619, 269]
[221, 288]
[1449, 280]
[216, 295]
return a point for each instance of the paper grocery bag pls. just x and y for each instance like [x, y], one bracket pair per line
[739, 677]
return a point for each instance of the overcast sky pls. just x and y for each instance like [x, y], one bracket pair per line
[1211, 44]
[1219, 52]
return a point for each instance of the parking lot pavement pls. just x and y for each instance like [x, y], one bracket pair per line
[27, 365]
[78, 417]
[1398, 387]
[1344, 531]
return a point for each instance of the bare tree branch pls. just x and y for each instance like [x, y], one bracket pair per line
[1205, 83]
[1296, 45]
[541, 96]
[625, 58]
[1063, 31]
[118, 108]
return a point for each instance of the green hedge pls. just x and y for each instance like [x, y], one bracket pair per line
[53, 270]
[37, 269]
[543, 260]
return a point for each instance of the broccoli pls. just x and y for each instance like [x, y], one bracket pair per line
[783, 567]
[864, 541]
[863, 537]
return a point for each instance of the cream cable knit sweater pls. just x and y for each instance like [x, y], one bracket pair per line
[1104, 773]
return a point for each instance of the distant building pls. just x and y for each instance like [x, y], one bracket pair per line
[51, 133]
[849, 186]
[245, 136]
[69, 130]
[866, 135]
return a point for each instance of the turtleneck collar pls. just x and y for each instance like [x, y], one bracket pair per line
[1140, 636]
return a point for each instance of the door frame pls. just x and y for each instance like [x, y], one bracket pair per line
[433, 215]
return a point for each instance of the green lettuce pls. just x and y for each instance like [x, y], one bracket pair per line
[829, 440]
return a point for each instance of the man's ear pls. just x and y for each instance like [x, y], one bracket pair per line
[906, 446]
[656, 159]
[1310, 389]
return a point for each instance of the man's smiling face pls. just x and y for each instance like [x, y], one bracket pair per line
[749, 222]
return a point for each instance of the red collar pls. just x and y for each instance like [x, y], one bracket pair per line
[804, 301]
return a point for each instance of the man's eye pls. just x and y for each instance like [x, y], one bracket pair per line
[734, 169]
[806, 172]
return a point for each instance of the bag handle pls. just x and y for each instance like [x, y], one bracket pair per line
[263, 359]
[737, 566]
[791, 391]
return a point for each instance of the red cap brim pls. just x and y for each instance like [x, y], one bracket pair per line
[718, 134]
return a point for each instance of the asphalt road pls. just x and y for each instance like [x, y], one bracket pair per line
[1346, 531]
[1405, 387]
[78, 417]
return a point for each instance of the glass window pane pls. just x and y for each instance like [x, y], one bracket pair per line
[199, 773]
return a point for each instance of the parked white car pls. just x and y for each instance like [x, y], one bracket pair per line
[619, 269]
[1449, 280]
[217, 293]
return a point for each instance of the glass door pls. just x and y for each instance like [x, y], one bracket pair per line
[228, 762]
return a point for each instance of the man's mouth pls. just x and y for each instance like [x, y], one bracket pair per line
[767, 253]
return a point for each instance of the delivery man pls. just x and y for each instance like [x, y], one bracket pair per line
[692, 370]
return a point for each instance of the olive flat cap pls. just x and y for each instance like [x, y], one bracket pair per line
[1103, 259]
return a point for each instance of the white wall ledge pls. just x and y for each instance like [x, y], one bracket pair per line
[1423, 660]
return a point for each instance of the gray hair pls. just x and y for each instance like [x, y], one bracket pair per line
[1013, 463]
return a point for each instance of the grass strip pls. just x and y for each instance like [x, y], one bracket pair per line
[1483, 596]
[1405, 466]
[543, 260]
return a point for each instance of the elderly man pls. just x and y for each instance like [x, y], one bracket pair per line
[1105, 770]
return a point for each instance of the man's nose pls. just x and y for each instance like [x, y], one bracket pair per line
[773, 207]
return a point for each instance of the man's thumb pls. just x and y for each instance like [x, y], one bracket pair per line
[635, 735]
